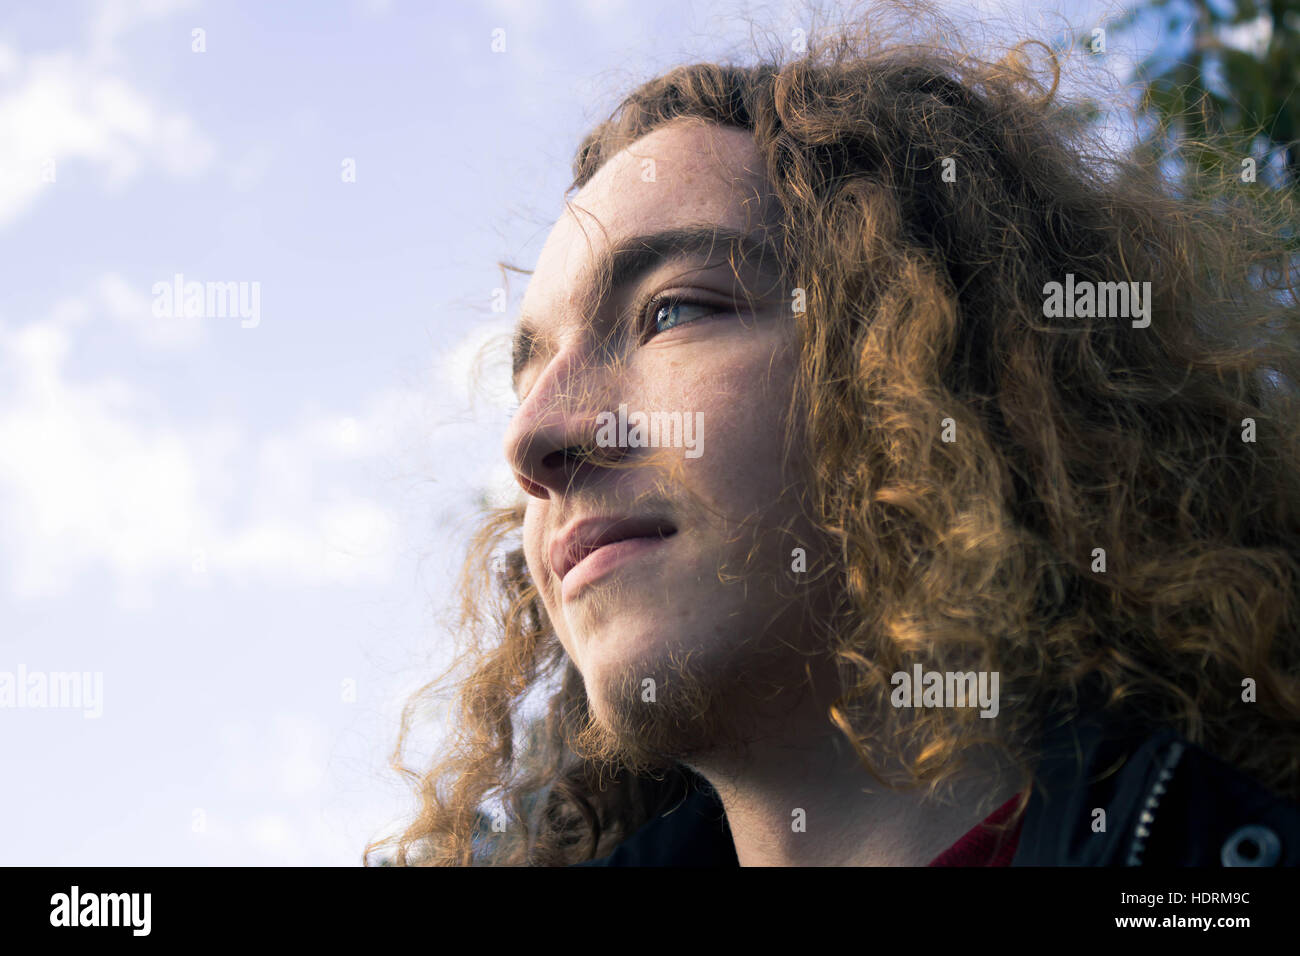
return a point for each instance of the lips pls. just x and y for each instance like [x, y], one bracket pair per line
[583, 537]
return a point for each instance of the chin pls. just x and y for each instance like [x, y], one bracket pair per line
[655, 698]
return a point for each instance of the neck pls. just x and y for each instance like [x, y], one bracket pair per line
[803, 798]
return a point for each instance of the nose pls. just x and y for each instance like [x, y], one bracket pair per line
[551, 442]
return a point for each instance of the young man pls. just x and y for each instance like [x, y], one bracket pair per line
[900, 489]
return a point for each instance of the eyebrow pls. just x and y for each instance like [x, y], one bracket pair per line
[631, 258]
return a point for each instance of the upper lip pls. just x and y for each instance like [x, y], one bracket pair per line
[581, 537]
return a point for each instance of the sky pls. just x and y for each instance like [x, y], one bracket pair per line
[237, 526]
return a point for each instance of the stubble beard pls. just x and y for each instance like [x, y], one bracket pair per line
[703, 702]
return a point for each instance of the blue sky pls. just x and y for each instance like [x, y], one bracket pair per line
[249, 532]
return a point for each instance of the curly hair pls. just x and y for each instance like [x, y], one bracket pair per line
[1116, 526]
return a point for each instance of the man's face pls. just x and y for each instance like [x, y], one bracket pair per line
[703, 602]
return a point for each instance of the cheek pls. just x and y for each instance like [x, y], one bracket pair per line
[743, 397]
[534, 542]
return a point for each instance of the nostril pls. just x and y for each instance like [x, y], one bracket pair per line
[577, 454]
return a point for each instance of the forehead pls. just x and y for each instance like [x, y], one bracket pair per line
[683, 173]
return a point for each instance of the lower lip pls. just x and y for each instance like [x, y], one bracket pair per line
[605, 559]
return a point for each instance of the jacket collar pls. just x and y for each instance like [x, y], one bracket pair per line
[1108, 791]
[1113, 792]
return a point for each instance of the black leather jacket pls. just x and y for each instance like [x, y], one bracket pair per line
[1170, 803]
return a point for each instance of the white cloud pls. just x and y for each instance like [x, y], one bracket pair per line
[96, 477]
[279, 757]
[65, 110]
[128, 306]
[478, 366]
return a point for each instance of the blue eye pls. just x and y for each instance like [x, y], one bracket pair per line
[669, 314]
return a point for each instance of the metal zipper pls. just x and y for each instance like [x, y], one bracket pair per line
[1148, 815]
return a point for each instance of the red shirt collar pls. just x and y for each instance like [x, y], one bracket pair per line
[982, 846]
